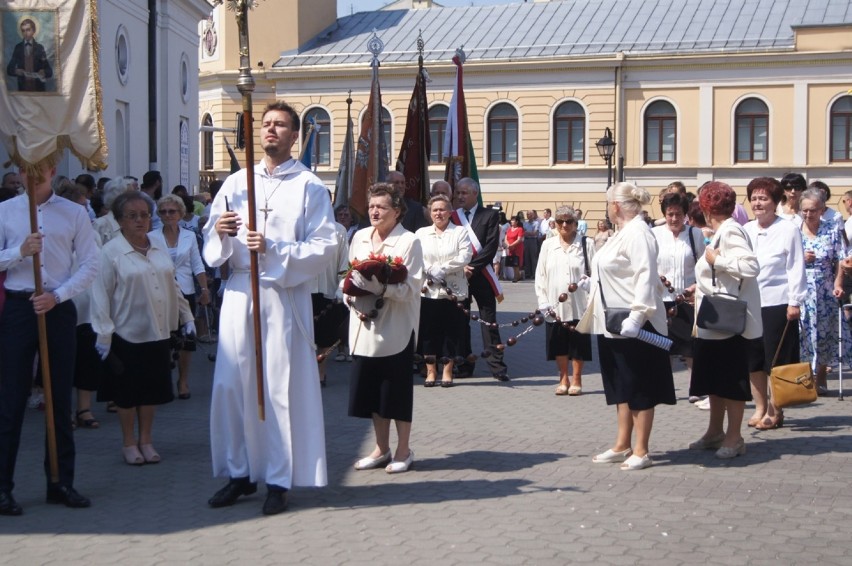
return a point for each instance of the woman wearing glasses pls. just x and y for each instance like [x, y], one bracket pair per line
[793, 186]
[182, 246]
[136, 303]
[563, 264]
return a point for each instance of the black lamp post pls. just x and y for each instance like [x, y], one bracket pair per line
[606, 149]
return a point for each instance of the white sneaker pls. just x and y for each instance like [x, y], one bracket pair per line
[704, 404]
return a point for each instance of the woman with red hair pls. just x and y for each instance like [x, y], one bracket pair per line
[721, 366]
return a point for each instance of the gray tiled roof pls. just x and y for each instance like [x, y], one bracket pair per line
[569, 28]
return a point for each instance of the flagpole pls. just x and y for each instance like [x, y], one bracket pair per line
[43, 354]
[376, 46]
[245, 84]
[423, 117]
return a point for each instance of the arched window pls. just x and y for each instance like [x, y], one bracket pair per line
[503, 134]
[752, 131]
[437, 129]
[841, 129]
[322, 141]
[660, 133]
[569, 128]
[386, 131]
[207, 144]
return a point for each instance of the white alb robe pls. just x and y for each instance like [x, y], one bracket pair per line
[288, 448]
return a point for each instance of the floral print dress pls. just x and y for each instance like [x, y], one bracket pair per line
[818, 339]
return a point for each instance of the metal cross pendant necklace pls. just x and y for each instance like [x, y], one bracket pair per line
[266, 210]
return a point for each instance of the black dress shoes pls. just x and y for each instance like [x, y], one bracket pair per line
[8, 505]
[276, 501]
[501, 376]
[66, 495]
[229, 494]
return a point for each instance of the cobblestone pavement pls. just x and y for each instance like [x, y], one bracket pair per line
[503, 475]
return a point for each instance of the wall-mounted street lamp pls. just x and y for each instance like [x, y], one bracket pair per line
[606, 149]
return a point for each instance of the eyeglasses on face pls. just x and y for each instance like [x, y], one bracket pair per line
[165, 211]
[138, 216]
[569, 221]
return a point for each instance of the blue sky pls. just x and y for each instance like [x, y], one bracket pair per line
[345, 7]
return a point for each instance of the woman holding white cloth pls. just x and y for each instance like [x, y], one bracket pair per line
[446, 250]
[636, 376]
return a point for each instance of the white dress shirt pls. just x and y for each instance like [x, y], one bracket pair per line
[106, 227]
[135, 295]
[557, 268]
[627, 269]
[676, 258]
[782, 262]
[449, 251]
[185, 255]
[68, 238]
[390, 332]
[328, 281]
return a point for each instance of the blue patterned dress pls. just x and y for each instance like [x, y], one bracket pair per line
[819, 312]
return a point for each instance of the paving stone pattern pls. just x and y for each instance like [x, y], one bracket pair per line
[503, 475]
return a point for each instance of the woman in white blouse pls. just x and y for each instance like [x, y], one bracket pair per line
[680, 246]
[778, 245]
[382, 385]
[564, 263]
[636, 376]
[182, 246]
[136, 303]
[446, 250]
[721, 368]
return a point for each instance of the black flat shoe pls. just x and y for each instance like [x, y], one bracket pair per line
[501, 377]
[66, 495]
[276, 502]
[447, 383]
[8, 505]
[232, 491]
[429, 383]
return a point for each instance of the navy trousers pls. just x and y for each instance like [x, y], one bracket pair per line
[18, 348]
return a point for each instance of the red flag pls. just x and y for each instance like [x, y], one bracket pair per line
[371, 158]
[413, 160]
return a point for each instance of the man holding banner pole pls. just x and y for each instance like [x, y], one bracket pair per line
[63, 231]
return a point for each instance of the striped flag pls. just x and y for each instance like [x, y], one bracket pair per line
[461, 161]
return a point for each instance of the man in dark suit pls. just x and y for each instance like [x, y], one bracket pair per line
[29, 62]
[415, 217]
[485, 225]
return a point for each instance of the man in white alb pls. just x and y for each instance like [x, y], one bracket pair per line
[295, 239]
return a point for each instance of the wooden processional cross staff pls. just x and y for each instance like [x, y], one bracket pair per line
[245, 84]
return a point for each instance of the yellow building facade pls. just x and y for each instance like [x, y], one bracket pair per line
[691, 115]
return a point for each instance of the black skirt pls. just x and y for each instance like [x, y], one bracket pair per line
[383, 385]
[774, 320]
[328, 316]
[139, 374]
[89, 370]
[635, 373]
[441, 327]
[680, 329]
[721, 367]
[559, 341]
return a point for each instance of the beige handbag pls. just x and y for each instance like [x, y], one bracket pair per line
[791, 384]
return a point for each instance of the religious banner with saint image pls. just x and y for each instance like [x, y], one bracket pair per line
[51, 98]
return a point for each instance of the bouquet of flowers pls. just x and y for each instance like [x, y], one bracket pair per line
[386, 269]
